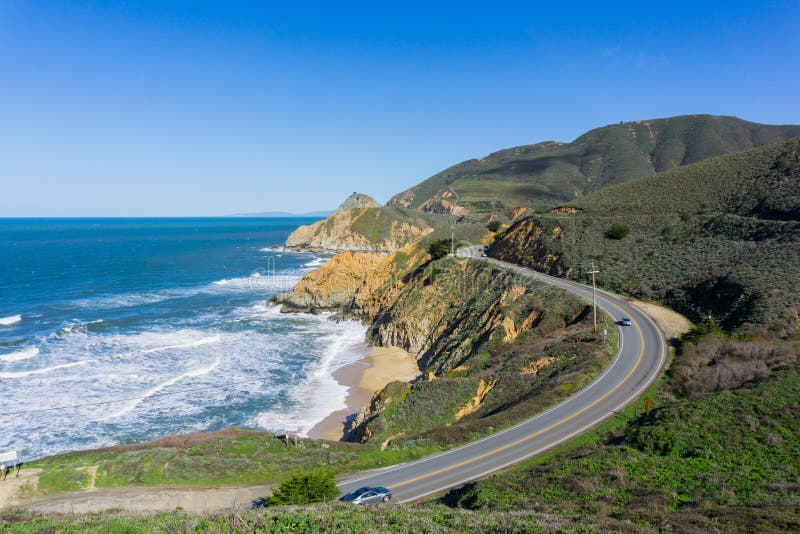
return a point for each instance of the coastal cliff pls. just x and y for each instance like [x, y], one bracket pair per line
[453, 309]
[492, 347]
[361, 224]
[359, 229]
[354, 283]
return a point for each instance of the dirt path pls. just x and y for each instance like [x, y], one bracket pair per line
[14, 487]
[149, 499]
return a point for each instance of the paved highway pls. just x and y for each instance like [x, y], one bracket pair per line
[641, 356]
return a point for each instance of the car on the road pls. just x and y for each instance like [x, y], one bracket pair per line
[368, 495]
[625, 321]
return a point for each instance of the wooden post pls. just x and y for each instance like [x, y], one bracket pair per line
[593, 272]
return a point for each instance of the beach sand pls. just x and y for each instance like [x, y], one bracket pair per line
[363, 379]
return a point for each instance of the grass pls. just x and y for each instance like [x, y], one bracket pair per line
[716, 461]
[544, 175]
[336, 517]
[228, 457]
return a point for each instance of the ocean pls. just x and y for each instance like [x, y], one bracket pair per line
[120, 331]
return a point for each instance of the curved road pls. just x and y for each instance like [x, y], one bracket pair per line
[641, 356]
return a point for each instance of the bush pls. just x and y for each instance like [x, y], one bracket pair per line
[493, 226]
[440, 249]
[618, 231]
[305, 487]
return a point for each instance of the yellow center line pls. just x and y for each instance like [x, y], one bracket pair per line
[545, 429]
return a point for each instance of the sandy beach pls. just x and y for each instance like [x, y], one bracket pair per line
[363, 379]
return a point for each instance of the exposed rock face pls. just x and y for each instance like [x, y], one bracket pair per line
[357, 200]
[450, 311]
[475, 402]
[444, 201]
[357, 429]
[355, 283]
[362, 229]
[535, 242]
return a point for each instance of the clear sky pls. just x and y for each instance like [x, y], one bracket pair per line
[208, 108]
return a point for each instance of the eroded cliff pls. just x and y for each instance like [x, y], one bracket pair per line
[364, 229]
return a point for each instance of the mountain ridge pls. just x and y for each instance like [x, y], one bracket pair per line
[542, 175]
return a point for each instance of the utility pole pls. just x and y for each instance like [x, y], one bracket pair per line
[452, 237]
[593, 272]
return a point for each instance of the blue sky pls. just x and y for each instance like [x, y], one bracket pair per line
[208, 108]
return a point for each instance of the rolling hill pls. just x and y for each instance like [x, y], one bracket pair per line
[719, 239]
[541, 176]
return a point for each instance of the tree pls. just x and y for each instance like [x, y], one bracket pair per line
[618, 231]
[439, 249]
[306, 487]
[493, 226]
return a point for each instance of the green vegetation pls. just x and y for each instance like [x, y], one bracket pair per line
[306, 487]
[321, 518]
[718, 238]
[728, 460]
[544, 175]
[226, 457]
[494, 226]
[440, 249]
[618, 231]
[500, 349]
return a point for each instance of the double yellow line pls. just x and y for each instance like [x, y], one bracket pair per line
[543, 430]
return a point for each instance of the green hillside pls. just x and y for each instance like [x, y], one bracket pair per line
[719, 238]
[543, 175]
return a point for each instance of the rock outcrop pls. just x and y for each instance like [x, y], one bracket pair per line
[357, 200]
[452, 310]
[363, 229]
[353, 283]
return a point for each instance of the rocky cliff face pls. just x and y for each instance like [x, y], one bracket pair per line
[356, 284]
[535, 242]
[454, 309]
[489, 343]
[362, 229]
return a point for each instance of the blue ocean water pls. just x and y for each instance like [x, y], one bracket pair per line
[124, 330]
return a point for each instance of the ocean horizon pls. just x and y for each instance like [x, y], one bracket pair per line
[123, 330]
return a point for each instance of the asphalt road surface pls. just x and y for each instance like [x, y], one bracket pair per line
[641, 356]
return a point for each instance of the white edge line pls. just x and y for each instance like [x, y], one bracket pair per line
[629, 401]
[576, 285]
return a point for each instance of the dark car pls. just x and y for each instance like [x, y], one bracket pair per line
[367, 495]
[625, 321]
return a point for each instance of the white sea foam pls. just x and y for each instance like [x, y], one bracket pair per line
[319, 394]
[316, 262]
[11, 319]
[279, 281]
[206, 370]
[237, 283]
[19, 355]
[192, 373]
[189, 344]
[43, 370]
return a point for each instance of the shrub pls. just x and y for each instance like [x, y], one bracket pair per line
[439, 249]
[493, 226]
[618, 231]
[305, 487]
